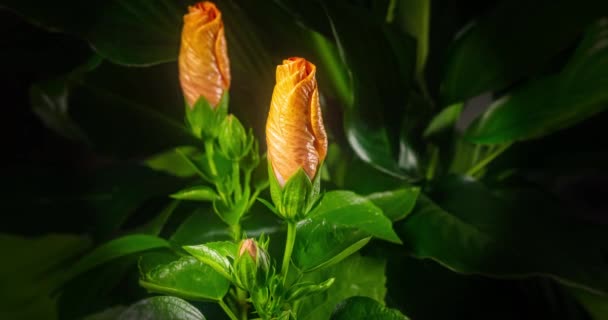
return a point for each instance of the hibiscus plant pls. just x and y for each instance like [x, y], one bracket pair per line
[296, 159]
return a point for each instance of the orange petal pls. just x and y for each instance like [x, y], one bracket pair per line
[294, 131]
[204, 67]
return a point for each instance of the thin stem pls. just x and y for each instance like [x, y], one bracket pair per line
[484, 162]
[291, 239]
[236, 180]
[209, 153]
[227, 310]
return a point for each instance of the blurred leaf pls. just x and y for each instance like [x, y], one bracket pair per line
[196, 193]
[413, 16]
[187, 278]
[379, 77]
[320, 243]
[347, 209]
[365, 308]
[498, 49]
[396, 204]
[445, 119]
[554, 102]
[107, 314]
[595, 304]
[470, 230]
[30, 271]
[172, 162]
[114, 249]
[355, 276]
[161, 308]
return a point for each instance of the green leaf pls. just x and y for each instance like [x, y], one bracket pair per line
[551, 103]
[31, 269]
[444, 120]
[163, 307]
[107, 314]
[413, 16]
[396, 204]
[114, 249]
[355, 276]
[187, 278]
[513, 233]
[215, 255]
[347, 209]
[497, 50]
[365, 308]
[197, 193]
[378, 79]
[172, 162]
[320, 244]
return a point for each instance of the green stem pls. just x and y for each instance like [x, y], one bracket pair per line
[209, 152]
[236, 180]
[291, 239]
[227, 310]
[485, 161]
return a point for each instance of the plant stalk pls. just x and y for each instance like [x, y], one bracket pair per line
[291, 239]
[227, 310]
[209, 153]
[485, 161]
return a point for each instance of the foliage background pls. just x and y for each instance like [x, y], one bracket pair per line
[91, 92]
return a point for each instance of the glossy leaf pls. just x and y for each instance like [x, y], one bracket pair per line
[355, 276]
[320, 243]
[114, 249]
[187, 278]
[414, 17]
[347, 209]
[554, 102]
[396, 204]
[497, 50]
[471, 230]
[163, 307]
[107, 314]
[215, 255]
[444, 120]
[365, 308]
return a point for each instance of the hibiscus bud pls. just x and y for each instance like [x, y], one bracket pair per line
[204, 68]
[252, 266]
[295, 134]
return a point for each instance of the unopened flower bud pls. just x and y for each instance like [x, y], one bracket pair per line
[204, 68]
[252, 266]
[233, 139]
[295, 133]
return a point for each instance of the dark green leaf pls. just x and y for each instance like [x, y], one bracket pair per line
[347, 209]
[31, 269]
[365, 308]
[413, 17]
[396, 204]
[162, 308]
[114, 249]
[187, 278]
[355, 276]
[444, 120]
[379, 77]
[498, 49]
[108, 314]
[471, 230]
[554, 102]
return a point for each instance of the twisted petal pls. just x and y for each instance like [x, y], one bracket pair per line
[295, 134]
[204, 68]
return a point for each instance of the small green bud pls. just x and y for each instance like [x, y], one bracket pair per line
[252, 266]
[234, 141]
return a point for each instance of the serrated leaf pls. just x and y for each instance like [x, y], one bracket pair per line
[161, 308]
[216, 255]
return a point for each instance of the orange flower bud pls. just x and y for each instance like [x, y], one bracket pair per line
[294, 131]
[204, 68]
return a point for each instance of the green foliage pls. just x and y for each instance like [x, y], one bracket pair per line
[365, 308]
[161, 308]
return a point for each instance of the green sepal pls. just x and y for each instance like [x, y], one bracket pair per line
[294, 200]
[306, 289]
[235, 143]
[231, 214]
[204, 120]
[252, 272]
